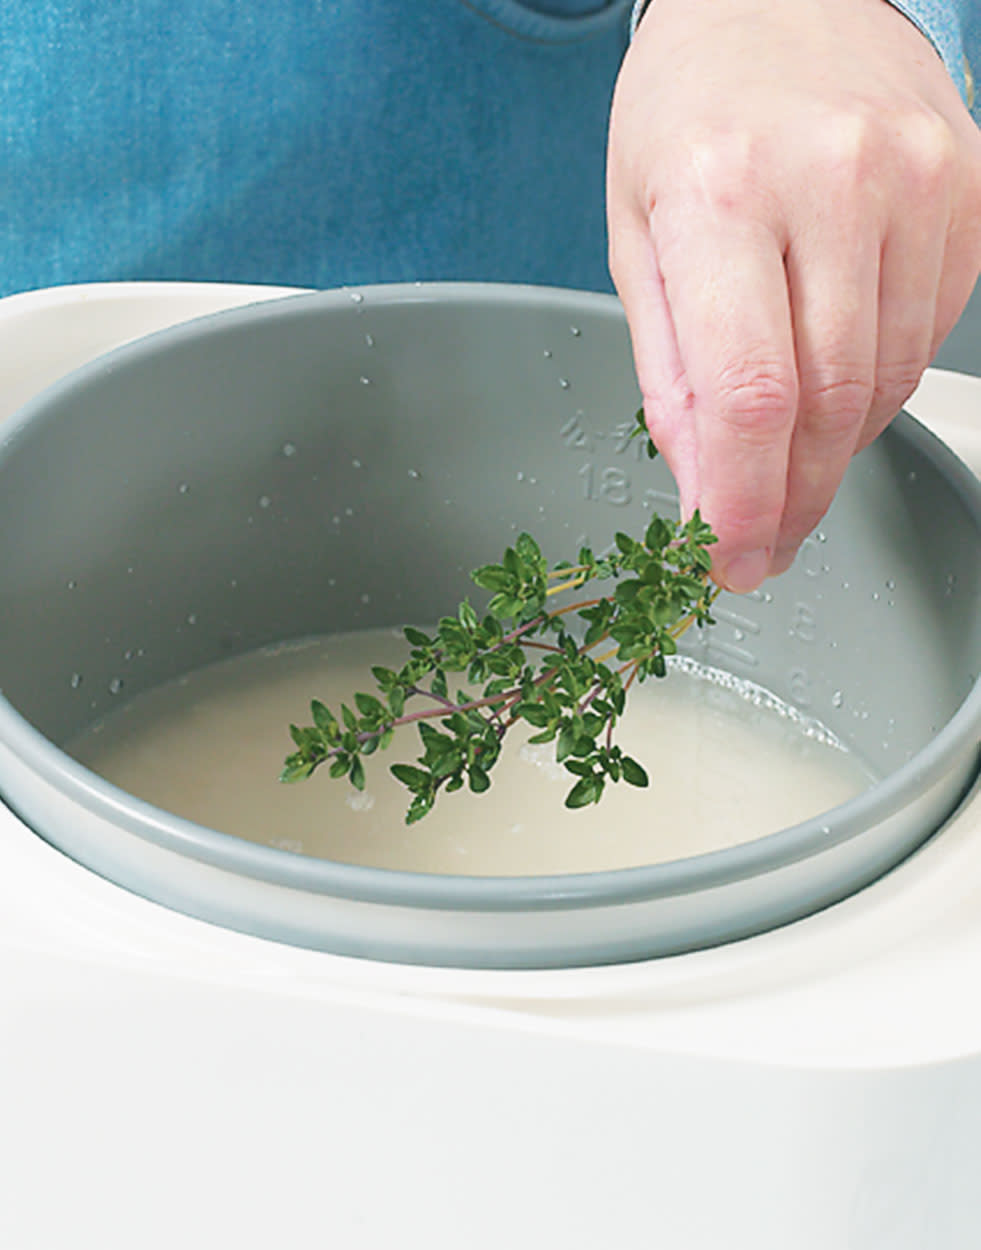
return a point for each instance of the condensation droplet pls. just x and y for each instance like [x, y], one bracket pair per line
[183, 488]
[767, 597]
[115, 685]
[364, 381]
[821, 536]
[289, 449]
[366, 598]
[890, 584]
[331, 581]
[837, 699]
[369, 340]
[911, 476]
[192, 618]
[875, 595]
[521, 476]
[547, 354]
[71, 584]
[415, 474]
[75, 681]
[357, 297]
[264, 501]
[575, 331]
[355, 464]
[564, 383]
[349, 512]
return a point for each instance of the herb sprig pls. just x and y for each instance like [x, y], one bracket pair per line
[565, 671]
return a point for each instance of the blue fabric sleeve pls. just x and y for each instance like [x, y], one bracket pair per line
[952, 28]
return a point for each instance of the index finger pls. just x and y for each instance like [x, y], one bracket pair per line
[727, 288]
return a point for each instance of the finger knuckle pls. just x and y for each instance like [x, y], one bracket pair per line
[755, 402]
[930, 152]
[722, 167]
[847, 143]
[838, 401]
[896, 381]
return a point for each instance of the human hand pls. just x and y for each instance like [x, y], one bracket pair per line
[794, 203]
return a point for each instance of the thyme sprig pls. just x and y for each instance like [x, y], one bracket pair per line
[565, 671]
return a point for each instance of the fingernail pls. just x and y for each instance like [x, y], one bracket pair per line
[746, 572]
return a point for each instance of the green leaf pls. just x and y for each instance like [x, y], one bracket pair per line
[491, 577]
[633, 773]
[368, 705]
[587, 790]
[479, 780]
[322, 718]
[415, 778]
[415, 636]
[534, 714]
[296, 771]
[566, 743]
[357, 774]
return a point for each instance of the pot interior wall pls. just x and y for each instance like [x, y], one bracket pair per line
[339, 464]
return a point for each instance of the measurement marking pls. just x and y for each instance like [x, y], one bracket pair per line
[739, 654]
[736, 621]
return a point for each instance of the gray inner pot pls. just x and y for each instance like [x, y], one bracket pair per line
[207, 472]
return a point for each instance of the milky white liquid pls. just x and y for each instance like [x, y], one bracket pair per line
[724, 768]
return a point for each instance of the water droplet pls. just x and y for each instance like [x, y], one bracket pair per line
[183, 488]
[369, 340]
[335, 520]
[349, 512]
[192, 618]
[364, 381]
[366, 598]
[357, 297]
[911, 476]
[129, 569]
[415, 474]
[533, 481]
[826, 829]
[875, 595]
[547, 354]
[890, 584]
[575, 331]
[115, 685]
[767, 597]
[521, 476]
[264, 501]
[846, 585]
[289, 449]
[75, 680]
[564, 383]
[738, 635]
[837, 699]
[71, 584]
[821, 536]
[331, 581]
[355, 464]
[128, 654]
[234, 583]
